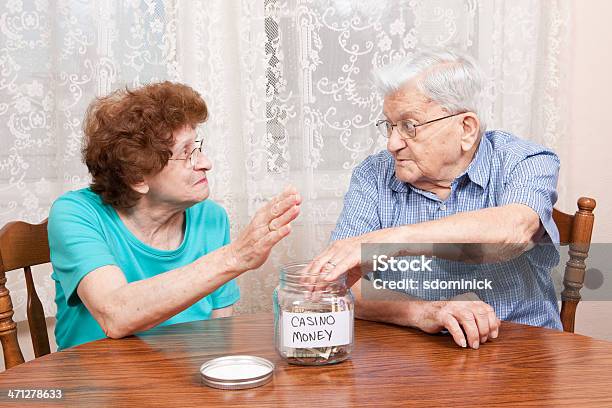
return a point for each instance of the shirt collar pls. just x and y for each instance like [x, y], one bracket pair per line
[397, 185]
[480, 168]
[478, 171]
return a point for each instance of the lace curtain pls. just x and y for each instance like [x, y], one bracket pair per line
[288, 86]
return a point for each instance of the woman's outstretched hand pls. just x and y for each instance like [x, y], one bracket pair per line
[269, 225]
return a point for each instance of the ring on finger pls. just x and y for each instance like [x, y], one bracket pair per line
[333, 265]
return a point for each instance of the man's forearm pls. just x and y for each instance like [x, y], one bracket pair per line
[386, 305]
[489, 235]
[466, 317]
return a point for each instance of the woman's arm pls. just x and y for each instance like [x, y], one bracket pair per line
[123, 308]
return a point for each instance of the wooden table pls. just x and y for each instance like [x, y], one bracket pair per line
[390, 365]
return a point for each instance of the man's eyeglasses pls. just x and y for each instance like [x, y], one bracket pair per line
[406, 128]
[194, 155]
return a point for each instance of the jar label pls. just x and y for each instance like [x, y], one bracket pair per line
[306, 330]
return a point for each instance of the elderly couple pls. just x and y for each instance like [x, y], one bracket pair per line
[142, 246]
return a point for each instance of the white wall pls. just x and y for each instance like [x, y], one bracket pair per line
[589, 158]
[590, 155]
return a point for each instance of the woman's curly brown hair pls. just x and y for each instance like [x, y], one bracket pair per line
[129, 134]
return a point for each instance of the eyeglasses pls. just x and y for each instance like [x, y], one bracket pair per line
[194, 155]
[406, 128]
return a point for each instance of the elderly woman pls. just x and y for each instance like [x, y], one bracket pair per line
[142, 246]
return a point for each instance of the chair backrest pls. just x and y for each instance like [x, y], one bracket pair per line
[575, 231]
[22, 245]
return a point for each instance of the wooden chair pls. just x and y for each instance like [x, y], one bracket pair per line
[22, 245]
[575, 231]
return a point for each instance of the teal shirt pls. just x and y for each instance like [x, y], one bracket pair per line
[86, 234]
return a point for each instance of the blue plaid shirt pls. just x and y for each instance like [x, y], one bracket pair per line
[505, 170]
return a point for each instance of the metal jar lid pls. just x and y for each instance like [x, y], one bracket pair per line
[236, 372]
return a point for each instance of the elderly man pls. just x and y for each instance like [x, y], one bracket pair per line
[444, 179]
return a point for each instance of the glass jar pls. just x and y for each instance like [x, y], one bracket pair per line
[312, 327]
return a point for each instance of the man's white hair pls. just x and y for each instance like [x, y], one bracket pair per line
[450, 78]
